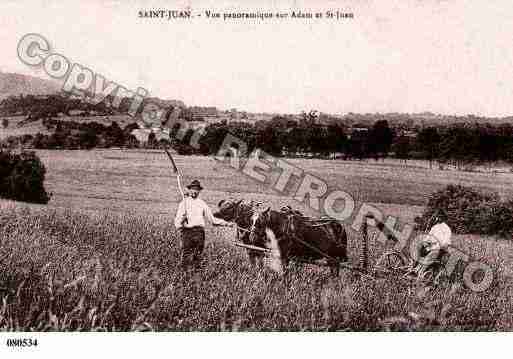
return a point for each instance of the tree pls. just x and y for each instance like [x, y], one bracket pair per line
[115, 135]
[380, 138]
[489, 142]
[320, 141]
[505, 142]
[127, 131]
[402, 148]
[212, 138]
[186, 114]
[88, 139]
[459, 144]
[429, 142]
[40, 141]
[336, 139]
[356, 146]
[269, 138]
[22, 177]
[131, 141]
[244, 131]
[296, 140]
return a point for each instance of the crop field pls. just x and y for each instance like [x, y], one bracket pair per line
[103, 254]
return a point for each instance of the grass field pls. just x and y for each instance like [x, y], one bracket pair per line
[103, 254]
[141, 180]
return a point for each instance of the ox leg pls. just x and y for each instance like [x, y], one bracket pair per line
[253, 257]
[334, 268]
[260, 260]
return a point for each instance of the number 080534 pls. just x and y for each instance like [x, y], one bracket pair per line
[21, 342]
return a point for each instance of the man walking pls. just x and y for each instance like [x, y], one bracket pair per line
[190, 220]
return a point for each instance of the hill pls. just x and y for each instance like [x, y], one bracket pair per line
[12, 84]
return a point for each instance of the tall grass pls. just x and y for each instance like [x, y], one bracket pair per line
[63, 271]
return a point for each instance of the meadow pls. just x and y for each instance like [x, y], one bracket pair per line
[103, 254]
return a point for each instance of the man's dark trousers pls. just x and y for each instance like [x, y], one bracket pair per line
[193, 243]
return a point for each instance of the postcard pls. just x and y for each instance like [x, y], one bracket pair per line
[182, 167]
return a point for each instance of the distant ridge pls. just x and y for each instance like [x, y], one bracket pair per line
[12, 84]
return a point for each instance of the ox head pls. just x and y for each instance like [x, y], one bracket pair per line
[228, 209]
[231, 210]
[259, 222]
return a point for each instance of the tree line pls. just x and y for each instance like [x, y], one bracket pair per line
[51, 106]
[72, 135]
[460, 144]
[280, 137]
[284, 136]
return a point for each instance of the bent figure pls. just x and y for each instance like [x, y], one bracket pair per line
[432, 247]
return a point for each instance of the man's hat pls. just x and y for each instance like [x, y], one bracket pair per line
[438, 216]
[195, 184]
[440, 213]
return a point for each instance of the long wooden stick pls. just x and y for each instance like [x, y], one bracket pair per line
[248, 246]
[178, 179]
[176, 171]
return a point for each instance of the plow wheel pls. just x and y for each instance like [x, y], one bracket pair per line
[391, 262]
[433, 275]
[427, 277]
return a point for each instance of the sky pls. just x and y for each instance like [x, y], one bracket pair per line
[447, 57]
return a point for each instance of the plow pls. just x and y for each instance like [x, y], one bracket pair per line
[392, 263]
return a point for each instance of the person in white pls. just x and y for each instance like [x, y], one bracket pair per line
[433, 245]
[190, 220]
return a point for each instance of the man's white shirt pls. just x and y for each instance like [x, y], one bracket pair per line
[442, 235]
[197, 211]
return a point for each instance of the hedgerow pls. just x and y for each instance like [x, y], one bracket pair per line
[469, 211]
[22, 177]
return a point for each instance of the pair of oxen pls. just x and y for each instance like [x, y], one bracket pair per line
[297, 237]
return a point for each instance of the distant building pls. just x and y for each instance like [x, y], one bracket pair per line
[358, 132]
[408, 133]
[41, 97]
[199, 113]
[142, 134]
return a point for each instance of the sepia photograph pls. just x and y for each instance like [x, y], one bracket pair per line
[260, 166]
